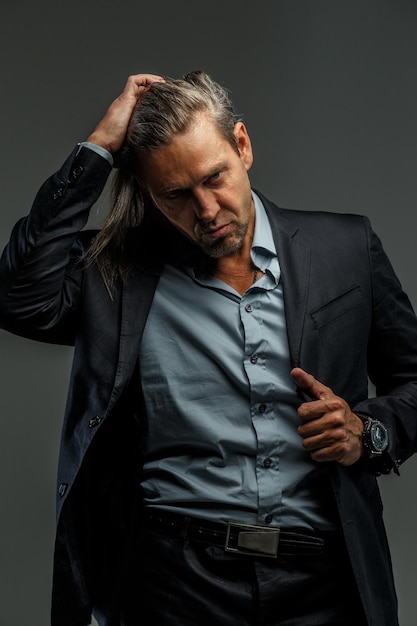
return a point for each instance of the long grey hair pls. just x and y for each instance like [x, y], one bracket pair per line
[165, 110]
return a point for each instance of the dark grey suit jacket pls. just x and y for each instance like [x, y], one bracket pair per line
[347, 319]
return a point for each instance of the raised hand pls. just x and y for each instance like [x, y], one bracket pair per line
[111, 130]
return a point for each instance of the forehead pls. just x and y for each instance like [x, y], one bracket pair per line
[191, 156]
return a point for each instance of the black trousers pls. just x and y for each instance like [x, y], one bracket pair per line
[178, 583]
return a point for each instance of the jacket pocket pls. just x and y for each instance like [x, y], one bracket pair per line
[337, 307]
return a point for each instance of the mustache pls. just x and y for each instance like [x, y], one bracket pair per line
[208, 227]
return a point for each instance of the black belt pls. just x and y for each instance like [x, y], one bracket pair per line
[240, 538]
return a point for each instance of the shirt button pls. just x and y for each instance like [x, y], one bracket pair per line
[248, 308]
[268, 518]
[262, 408]
[254, 358]
[267, 463]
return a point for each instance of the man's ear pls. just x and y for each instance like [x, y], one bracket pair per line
[244, 145]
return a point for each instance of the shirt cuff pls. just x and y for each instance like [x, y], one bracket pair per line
[101, 151]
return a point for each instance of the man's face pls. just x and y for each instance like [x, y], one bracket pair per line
[200, 183]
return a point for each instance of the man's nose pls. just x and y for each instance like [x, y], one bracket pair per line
[205, 205]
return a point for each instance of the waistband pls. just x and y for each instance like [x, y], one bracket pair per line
[241, 538]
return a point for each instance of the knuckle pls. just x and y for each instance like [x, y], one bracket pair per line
[337, 420]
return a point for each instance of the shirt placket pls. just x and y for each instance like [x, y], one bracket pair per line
[261, 408]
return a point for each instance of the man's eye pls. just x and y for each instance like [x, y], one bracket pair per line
[175, 193]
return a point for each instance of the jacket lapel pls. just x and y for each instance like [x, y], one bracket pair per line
[155, 243]
[137, 295]
[294, 259]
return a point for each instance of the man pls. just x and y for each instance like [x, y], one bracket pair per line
[220, 452]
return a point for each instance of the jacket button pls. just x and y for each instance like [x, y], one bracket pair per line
[76, 172]
[95, 421]
[59, 192]
[62, 489]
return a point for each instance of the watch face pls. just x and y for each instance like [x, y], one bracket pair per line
[379, 436]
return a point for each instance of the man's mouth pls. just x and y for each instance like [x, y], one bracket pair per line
[216, 232]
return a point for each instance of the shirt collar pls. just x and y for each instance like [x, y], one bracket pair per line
[262, 237]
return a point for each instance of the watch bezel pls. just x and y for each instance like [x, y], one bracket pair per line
[372, 445]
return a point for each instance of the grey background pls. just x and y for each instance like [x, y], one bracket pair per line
[328, 92]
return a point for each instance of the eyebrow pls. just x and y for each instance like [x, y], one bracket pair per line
[219, 167]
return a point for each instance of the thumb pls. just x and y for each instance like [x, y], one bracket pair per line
[309, 384]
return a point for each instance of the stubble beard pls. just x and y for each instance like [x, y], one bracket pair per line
[227, 245]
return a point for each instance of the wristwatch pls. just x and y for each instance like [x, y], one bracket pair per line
[374, 437]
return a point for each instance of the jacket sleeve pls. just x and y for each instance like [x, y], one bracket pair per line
[40, 269]
[392, 361]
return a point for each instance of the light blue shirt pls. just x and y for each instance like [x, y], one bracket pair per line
[101, 151]
[222, 422]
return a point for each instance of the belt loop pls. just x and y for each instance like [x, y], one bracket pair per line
[185, 528]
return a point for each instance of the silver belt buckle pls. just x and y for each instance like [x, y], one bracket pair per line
[252, 540]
